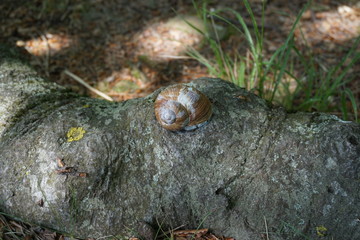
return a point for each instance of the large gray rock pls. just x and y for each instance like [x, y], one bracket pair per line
[252, 170]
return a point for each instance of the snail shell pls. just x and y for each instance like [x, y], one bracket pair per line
[181, 107]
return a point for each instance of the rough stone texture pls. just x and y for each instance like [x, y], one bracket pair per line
[252, 167]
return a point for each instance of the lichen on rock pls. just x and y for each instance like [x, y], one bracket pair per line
[251, 162]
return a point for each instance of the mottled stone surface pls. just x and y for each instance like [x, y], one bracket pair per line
[252, 167]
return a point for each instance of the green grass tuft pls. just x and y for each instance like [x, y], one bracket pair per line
[314, 88]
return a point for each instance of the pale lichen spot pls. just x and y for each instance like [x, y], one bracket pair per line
[91, 204]
[326, 209]
[330, 163]
[75, 134]
[108, 121]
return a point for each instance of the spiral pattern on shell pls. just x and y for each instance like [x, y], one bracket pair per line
[181, 107]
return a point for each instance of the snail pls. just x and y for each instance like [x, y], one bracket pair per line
[181, 107]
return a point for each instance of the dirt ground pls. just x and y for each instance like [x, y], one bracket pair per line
[128, 49]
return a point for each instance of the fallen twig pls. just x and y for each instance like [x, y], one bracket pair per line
[82, 82]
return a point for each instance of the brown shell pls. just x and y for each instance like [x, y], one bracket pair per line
[191, 108]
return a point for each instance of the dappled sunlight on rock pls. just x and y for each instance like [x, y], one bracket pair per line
[46, 44]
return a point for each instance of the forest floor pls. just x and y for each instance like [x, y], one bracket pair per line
[128, 49]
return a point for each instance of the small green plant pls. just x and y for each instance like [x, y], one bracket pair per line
[313, 89]
[232, 68]
[326, 86]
